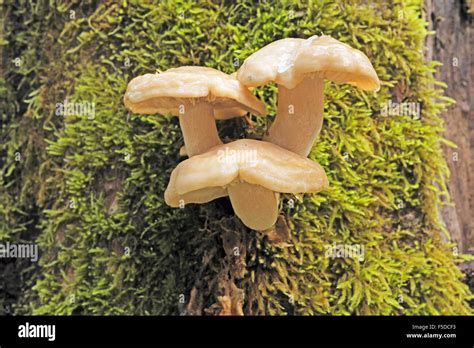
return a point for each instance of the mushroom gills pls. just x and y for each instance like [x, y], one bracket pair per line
[255, 205]
[199, 127]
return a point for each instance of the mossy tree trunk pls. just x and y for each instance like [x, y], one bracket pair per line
[89, 186]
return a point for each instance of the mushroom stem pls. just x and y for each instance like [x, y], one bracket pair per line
[299, 116]
[255, 205]
[199, 127]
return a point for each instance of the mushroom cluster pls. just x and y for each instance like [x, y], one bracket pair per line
[252, 173]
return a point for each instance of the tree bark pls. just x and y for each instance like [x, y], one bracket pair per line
[451, 45]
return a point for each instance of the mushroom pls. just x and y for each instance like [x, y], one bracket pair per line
[198, 95]
[244, 169]
[299, 67]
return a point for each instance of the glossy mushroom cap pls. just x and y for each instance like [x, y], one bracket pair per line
[325, 57]
[204, 177]
[165, 92]
[288, 61]
[274, 62]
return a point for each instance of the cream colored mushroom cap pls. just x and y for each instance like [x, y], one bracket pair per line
[164, 92]
[273, 62]
[288, 61]
[256, 162]
[329, 58]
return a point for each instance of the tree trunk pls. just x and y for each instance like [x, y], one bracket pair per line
[451, 45]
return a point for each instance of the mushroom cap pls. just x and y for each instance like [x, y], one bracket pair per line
[163, 93]
[294, 59]
[273, 62]
[329, 58]
[245, 160]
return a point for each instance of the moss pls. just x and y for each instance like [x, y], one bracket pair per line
[90, 190]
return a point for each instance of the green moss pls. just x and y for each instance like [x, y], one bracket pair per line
[91, 190]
